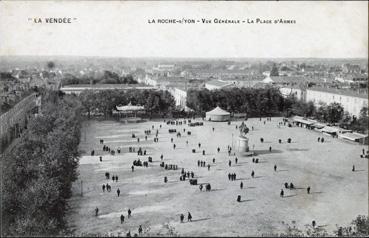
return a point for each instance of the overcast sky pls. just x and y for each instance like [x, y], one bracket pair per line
[322, 29]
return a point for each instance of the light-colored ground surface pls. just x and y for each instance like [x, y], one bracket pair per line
[337, 196]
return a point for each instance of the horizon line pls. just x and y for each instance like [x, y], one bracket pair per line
[183, 57]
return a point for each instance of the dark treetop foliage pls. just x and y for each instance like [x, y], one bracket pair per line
[158, 102]
[40, 168]
[254, 102]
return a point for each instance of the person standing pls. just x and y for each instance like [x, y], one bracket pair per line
[236, 160]
[118, 192]
[275, 167]
[241, 185]
[129, 213]
[281, 193]
[189, 217]
[96, 211]
[181, 217]
[133, 168]
[308, 190]
[140, 229]
[208, 166]
[103, 187]
[252, 174]
[121, 219]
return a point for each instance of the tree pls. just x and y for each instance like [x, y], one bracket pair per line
[359, 228]
[334, 112]
[346, 120]
[40, 168]
[274, 71]
[363, 120]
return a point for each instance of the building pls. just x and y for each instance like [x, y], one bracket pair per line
[351, 101]
[293, 91]
[218, 84]
[14, 121]
[180, 96]
[78, 88]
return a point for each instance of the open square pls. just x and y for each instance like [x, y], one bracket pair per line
[337, 193]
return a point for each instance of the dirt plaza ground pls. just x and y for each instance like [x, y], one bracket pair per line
[337, 195]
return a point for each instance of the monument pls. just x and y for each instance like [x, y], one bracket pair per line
[243, 141]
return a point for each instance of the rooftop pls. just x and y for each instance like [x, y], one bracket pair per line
[104, 86]
[219, 83]
[345, 92]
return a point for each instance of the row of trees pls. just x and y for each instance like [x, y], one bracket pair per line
[254, 102]
[270, 102]
[107, 77]
[104, 101]
[39, 169]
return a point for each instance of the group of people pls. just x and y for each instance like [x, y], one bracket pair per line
[189, 217]
[140, 152]
[289, 186]
[129, 215]
[321, 139]
[232, 176]
[107, 187]
[115, 178]
[255, 160]
[201, 163]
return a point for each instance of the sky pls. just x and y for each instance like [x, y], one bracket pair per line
[121, 29]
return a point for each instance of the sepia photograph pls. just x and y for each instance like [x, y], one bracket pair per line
[184, 119]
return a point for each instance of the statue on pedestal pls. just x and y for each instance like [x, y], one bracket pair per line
[243, 130]
[243, 141]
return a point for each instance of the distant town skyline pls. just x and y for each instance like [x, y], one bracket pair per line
[323, 30]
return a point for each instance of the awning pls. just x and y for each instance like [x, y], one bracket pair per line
[353, 136]
[302, 120]
[318, 125]
[329, 129]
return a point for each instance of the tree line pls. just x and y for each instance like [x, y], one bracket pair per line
[155, 102]
[261, 102]
[256, 102]
[39, 169]
[108, 77]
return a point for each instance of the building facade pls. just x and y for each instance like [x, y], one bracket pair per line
[351, 102]
[180, 96]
